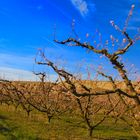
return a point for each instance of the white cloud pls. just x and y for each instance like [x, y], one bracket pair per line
[16, 74]
[12, 68]
[81, 5]
[8, 61]
[21, 75]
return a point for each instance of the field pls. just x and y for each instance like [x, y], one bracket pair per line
[16, 125]
[46, 111]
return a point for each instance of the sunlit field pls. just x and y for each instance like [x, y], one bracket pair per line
[67, 122]
[16, 125]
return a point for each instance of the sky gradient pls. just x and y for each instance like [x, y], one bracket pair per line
[27, 25]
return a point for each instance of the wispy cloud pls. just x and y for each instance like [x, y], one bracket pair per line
[13, 67]
[83, 6]
[12, 60]
[16, 74]
[21, 75]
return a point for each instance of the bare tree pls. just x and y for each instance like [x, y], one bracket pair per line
[129, 95]
[48, 98]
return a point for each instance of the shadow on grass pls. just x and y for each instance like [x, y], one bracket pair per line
[5, 131]
[3, 117]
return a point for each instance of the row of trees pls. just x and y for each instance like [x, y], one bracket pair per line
[56, 100]
[70, 94]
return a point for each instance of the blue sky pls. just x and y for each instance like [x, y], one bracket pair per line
[27, 25]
